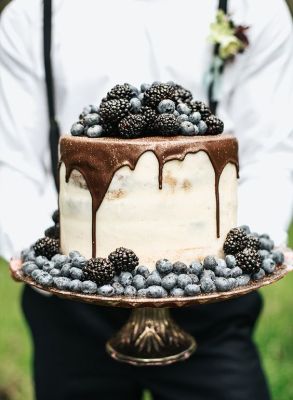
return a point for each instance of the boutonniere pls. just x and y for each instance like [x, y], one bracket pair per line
[229, 40]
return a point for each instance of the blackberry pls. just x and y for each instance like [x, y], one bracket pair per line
[121, 92]
[149, 116]
[114, 110]
[123, 260]
[157, 93]
[202, 108]
[53, 232]
[47, 247]
[110, 128]
[182, 95]
[215, 125]
[55, 216]
[167, 124]
[99, 270]
[236, 241]
[248, 260]
[131, 126]
[253, 242]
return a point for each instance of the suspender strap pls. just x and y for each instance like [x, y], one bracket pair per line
[54, 128]
[223, 5]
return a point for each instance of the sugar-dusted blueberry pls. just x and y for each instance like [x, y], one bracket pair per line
[125, 278]
[78, 262]
[142, 270]
[236, 271]
[258, 275]
[264, 254]
[192, 290]
[28, 267]
[266, 244]
[278, 257]
[245, 228]
[30, 256]
[130, 291]
[75, 285]
[93, 108]
[35, 273]
[194, 278]
[210, 262]
[222, 284]
[62, 283]
[177, 292]
[207, 285]
[48, 266]
[59, 260]
[45, 279]
[202, 127]
[188, 129]
[65, 270]
[223, 272]
[119, 289]
[194, 117]
[74, 253]
[40, 261]
[95, 131]
[156, 291]
[195, 268]
[230, 261]
[179, 268]
[24, 254]
[243, 280]
[55, 272]
[75, 273]
[164, 266]
[89, 287]
[135, 105]
[106, 290]
[232, 283]
[166, 106]
[183, 108]
[141, 96]
[92, 119]
[182, 118]
[154, 279]
[264, 236]
[221, 263]
[208, 273]
[142, 293]
[144, 87]
[169, 281]
[183, 280]
[268, 265]
[77, 129]
[176, 113]
[139, 282]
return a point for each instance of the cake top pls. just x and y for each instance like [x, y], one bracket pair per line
[157, 109]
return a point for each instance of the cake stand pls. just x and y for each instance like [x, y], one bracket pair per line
[151, 336]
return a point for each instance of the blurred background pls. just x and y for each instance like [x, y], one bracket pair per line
[274, 333]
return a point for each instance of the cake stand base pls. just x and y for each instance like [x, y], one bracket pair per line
[151, 337]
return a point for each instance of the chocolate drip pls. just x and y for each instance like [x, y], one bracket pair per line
[98, 160]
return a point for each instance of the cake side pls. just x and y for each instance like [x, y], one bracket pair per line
[155, 195]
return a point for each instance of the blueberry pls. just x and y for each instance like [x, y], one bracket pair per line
[208, 273]
[183, 280]
[28, 267]
[179, 267]
[164, 266]
[142, 293]
[93, 108]
[144, 87]
[135, 105]
[268, 265]
[264, 236]
[176, 113]
[24, 254]
[194, 117]
[222, 284]
[75, 273]
[62, 283]
[245, 228]
[166, 106]
[232, 283]
[78, 262]
[48, 266]
[142, 270]
[221, 263]
[195, 268]
[192, 290]
[230, 261]
[55, 272]
[35, 273]
[92, 119]
[235, 272]
[88, 287]
[125, 278]
[40, 261]
[278, 257]
[188, 129]
[133, 88]
[183, 108]
[207, 285]
[264, 254]
[266, 244]
[75, 285]
[86, 110]
[169, 281]
[138, 282]
[223, 272]
[182, 118]
[202, 127]
[155, 291]
[95, 131]
[130, 291]
[77, 129]
[65, 270]
[258, 275]
[194, 278]
[242, 280]
[45, 279]
[119, 289]
[140, 97]
[30, 256]
[59, 260]
[153, 279]
[74, 253]
[171, 83]
[255, 234]
[177, 292]
[106, 290]
[210, 263]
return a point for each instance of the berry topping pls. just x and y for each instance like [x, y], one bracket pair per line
[249, 260]
[99, 270]
[123, 259]
[47, 247]
[236, 241]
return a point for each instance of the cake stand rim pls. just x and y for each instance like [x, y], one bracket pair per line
[169, 302]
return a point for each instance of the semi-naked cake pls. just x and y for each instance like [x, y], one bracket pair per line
[170, 196]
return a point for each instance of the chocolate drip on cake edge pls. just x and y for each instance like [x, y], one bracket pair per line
[98, 160]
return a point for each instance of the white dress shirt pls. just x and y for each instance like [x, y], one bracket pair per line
[97, 44]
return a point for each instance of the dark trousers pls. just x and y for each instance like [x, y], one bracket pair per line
[70, 362]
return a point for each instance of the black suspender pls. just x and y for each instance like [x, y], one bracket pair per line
[54, 128]
[223, 5]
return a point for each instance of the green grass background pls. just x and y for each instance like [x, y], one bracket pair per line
[274, 336]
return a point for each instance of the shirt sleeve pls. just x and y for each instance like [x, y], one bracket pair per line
[260, 105]
[28, 195]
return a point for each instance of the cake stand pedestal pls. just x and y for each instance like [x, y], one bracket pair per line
[150, 336]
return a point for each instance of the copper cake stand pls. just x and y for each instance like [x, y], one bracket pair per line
[151, 336]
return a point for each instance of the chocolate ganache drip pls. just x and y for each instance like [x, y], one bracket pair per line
[98, 160]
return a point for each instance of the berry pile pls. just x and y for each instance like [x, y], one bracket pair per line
[120, 273]
[164, 109]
